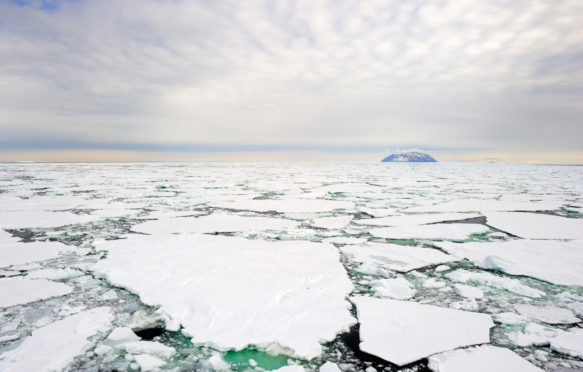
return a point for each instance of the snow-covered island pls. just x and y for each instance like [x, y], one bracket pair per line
[409, 157]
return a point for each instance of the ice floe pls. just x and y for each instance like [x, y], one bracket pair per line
[55, 346]
[13, 252]
[536, 225]
[289, 205]
[332, 222]
[494, 281]
[397, 288]
[416, 219]
[547, 314]
[292, 293]
[16, 291]
[559, 262]
[480, 359]
[219, 222]
[395, 257]
[402, 332]
[446, 231]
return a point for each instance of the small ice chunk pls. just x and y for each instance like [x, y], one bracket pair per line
[102, 349]
[329, 367]
[536, 225]
[252, 362]
[54, 347]
[16, 291]
[433, 283]
[480, 359]
[445, 231]
[395, 257]
[533, 334]
[469, 291]
[121, 335]
[569, 342]
[509, 318]
[397, 288]
[332, 222]
[148, 362]
[441, 268]
[295, 368]
[109, 295]
[547, 314]
[218, 363]
[486, 278]
[141, 320]
[148, 347]
[402, 332]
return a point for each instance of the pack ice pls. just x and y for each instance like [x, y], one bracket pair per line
[232, 292]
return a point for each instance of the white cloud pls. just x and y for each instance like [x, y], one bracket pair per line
[375, 73]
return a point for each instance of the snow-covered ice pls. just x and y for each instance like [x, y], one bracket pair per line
[547, 314]
[559, 262]
[536, 225]
[402, 332]
[292, 293]
[446, 231]
[397, 288]
[55, 346]
[416, 219]
[16, 291]
[395, 257]
[13, 252]
[494, 281]
[480, 359]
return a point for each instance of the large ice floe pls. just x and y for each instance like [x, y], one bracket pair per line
[536, 225]
[55, 346]
[403, 332]
[13, 252]
[234, 292]
[559, 262]
[441, 231]
[480, 359]
[17, 291]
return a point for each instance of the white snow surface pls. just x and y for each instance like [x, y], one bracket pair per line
[216, 222]
[494, 281]
[232, 292]
[397, 288]
[288, 205]
[416, 219]
[402, 332]
[13, 252]
[547, 314]
[55, 346]
[395, 257]
[485, 358]
[332, 222]
[559, 262]
[449, 231]
[536, 225]
[16, 291]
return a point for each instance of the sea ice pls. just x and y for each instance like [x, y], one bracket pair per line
[293, 293]
[433, 283]
[536, 225]
[449, 231]
[416, 219]
[397, 288]
[468, 291]
[486, 205]
[288, 205]
[54, 274]
[569, 342]
[148, 362]
[13, 252]
[547, 314]
[332, 222]
[16, 291]
[559, 262]
[480, 359]
[494, 281]
[395, 257]
[55, 346]
[402, 332]
[219, 222]
[329, 367]
[147, 347]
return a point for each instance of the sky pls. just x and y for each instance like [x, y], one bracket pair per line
[475, 80]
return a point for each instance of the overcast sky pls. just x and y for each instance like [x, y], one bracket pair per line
[348, 76]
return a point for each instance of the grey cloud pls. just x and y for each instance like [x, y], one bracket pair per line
[457, 74]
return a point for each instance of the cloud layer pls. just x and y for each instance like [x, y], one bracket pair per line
[343, 75]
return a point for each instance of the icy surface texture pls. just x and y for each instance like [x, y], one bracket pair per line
[250, 266]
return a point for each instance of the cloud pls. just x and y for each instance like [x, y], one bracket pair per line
[294, 74]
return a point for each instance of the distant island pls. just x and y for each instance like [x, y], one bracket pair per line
[411, 157]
